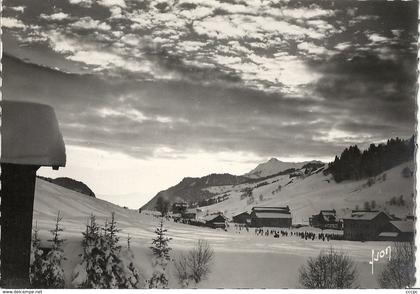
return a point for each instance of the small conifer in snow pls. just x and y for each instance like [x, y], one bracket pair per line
[35, 271]
[89, 273]
[102, 266]
[133, 278]
[53, 273]
[160, 249]
[114, 276]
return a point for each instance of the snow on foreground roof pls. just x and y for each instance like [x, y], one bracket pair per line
[30, 135]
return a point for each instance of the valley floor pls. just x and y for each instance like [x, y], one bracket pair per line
[242, 260]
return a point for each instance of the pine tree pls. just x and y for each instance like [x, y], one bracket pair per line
[160, 246]
[53, 273]
[102, 266]
[113, 270]
[133, 278]
[160, 250]
[89, 273]
[37, 261]
[355, 165]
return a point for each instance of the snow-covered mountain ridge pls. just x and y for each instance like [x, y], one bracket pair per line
[274, 166]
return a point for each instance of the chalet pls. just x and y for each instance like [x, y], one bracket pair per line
[362, 225]
[179, 207]
[271, 217]
[326, 219]
[216, 221]
[242, 218]
[176, 216]
[398, 231]
[189, 214]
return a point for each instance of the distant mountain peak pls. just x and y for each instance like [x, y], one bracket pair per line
[274, 166]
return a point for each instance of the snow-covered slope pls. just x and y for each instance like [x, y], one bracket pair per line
[258, 262]
[272, 167]
[307, 195]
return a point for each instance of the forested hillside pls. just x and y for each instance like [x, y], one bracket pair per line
[355, 165]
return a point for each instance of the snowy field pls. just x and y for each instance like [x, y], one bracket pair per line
[241, 260]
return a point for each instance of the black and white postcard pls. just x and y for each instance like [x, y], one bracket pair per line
[208, 144]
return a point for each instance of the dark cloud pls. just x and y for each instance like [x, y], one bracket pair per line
[297, 79]
[179, 116]
[372, 89]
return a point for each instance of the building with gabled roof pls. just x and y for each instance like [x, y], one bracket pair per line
[269, 216]
[189, 214]
[398, 231]
[242, 218]
[326, 219]
[363, 225]
[215, 221]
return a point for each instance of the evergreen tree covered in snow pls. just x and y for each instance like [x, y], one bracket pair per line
[113, 271]
[160, 249]
[46, 271]
[133, 277]
[89, 273]
[102, 265]
[53, 273]
[35, 271]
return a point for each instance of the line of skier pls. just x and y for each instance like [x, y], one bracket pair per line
[286, 233]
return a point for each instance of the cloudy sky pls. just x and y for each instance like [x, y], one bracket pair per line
[148, 92]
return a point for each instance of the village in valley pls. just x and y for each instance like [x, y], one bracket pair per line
[360, 225]
[305, 198]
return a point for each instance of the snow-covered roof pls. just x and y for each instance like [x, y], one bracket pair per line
[191, 210]
[180, 204]
[404, 226]
[388, 234]
[245, 213]
[30, 135]
[272, 215]
[363, 215]
[213, 216]
[270, 209]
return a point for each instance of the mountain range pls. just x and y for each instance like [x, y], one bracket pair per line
[195, 190]
[211, 190]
